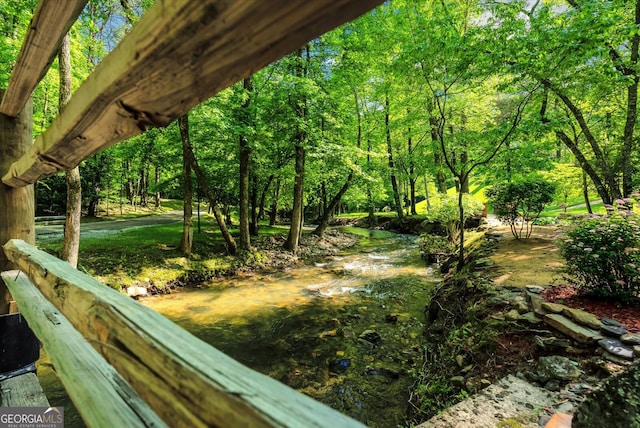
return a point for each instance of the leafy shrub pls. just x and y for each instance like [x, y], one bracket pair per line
[446, 212]
[435, 248]
[519, 203]
[602, 253]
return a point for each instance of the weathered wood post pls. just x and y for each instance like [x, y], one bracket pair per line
[17, 205]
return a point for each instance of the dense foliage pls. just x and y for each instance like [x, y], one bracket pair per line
[519, 203]
[604, 254]
[413, 99]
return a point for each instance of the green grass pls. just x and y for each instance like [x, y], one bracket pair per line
[150, 253]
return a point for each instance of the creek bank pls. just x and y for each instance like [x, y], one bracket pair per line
[268, 253]
[510, 336]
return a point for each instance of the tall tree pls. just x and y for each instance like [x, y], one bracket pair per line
[71, 239]
[392, 167]
[245, 158]
[187, 223]
[300, 106]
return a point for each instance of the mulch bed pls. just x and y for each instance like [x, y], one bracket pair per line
[629, 315]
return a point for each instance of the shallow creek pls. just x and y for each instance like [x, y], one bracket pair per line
[343, 329]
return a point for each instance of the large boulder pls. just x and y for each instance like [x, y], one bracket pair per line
[556, 367]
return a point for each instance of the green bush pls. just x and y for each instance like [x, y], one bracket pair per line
[446, 212]
[602, 253]
[434, 248]
[520, 202]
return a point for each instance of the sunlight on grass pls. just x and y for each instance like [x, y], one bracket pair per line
[149, 254]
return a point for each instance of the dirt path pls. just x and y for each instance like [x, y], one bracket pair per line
[533, 261]
[55, 231]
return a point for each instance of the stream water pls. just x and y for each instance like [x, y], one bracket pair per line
[343, 329]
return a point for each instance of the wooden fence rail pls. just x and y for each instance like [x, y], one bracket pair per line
[184, 380]
[51, 21]
[179, 54]
[101, 395]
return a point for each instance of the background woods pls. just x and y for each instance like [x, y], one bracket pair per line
[389, 110]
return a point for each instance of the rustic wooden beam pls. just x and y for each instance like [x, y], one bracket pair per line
[17, 210]
[22, 391]
[179, 54]
[100, 394]
[51, 21]
[185, 381]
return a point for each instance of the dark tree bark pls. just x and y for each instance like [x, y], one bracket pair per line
[273, 213]
[254, 224]
[412, 178]
[371, 218]
[441, 183]
[71, 239]
[297, 213]
[157, 183]
[602, 189]
[187, 223]
[392, 167]
[585, 192]
[335, 201]
[263, 196]
[298, 196]
[608, 176]
[204, 186]
[631, 71]
[245, 154]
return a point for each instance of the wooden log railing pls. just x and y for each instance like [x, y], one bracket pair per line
[185, 381]
[179, 54]
[102, 396]
[50, 22]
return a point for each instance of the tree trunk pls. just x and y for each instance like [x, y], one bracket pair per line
[187, 224]
[213, 200]
[426, 192]
[441, 183]
[297, 213]
[461, 235]
[298, 197]
[392, 168]
[273, 214]
[371, 219]
[144, 186]
[254, 224]
[157, 183]
[632, 110]
[245, 154]
[608, 175]
[603, 192]
[263, 196]
[17, 209]
[585, 193]
[412, 178]
[335, 201]
[71, 239]
[128, 182]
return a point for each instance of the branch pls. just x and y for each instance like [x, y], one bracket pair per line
[579, 117]
[514, 124]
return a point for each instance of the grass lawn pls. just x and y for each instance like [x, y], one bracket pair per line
[121, 258]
